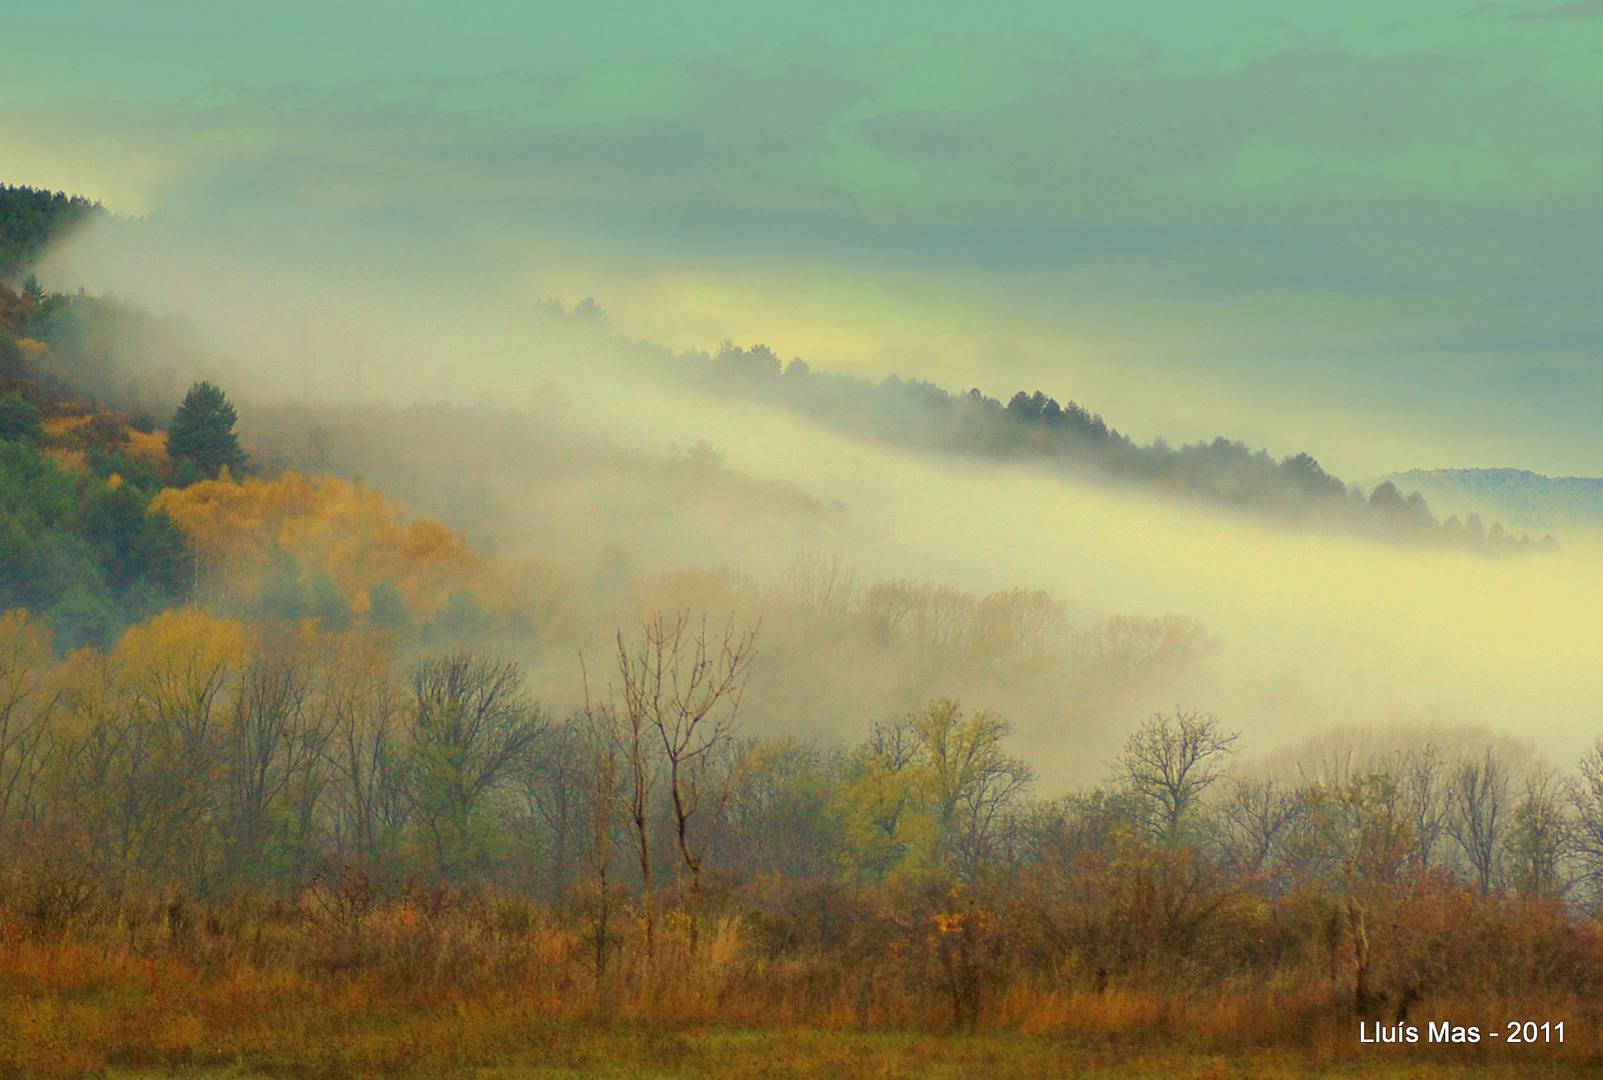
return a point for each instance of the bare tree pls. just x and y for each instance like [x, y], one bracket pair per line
[1258, 817]
[557, 786]
[1170, 760]
[1422, 781]
[629, 731]
[604, 796]
[27, 704]
[1480, 796]
[274, 744]
[593, 735]
[822, 586]
[686, 686]
[1539, 836]
[1586, 808]
[364, 706]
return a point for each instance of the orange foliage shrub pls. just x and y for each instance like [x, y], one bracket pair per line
[143, 446]
[239, 529]
[58, 426]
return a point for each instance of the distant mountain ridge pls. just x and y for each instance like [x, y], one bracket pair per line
[1520, 498]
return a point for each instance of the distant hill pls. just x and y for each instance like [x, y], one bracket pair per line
[1036, 428]
[1518, 497]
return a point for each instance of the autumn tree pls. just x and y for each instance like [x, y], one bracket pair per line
[972, 780]
[887, 826]
[143, 743]
[929, 793]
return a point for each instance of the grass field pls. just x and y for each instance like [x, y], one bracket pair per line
[250, 990]
[575, 1052]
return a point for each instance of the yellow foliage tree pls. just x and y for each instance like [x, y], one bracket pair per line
[239, 529]
[27, 702]
[140, 738]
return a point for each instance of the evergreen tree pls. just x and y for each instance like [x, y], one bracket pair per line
[202, 431]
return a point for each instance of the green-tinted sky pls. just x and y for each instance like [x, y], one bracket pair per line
[167, 47]
[1367, 229]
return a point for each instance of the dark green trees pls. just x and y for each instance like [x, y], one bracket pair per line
[19, 420]
[31, 217]
[82, 550]
[202, 433]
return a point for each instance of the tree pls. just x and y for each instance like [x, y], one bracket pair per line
[365, 707]
[1169, 761]
[686, 687]
[473, 729]
[973, 782]
[202, 431]
[273, 755]
[1482, 804]
[1539, 838]
[27, 705]
[142, 743]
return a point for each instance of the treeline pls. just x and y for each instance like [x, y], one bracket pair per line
[30, 218]
[909, 874]
[1034, 427]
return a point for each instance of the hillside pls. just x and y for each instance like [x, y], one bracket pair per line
[1035, 428]
[30, 219]
[1524, 499]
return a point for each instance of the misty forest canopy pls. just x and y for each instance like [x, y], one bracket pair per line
[74, 354]
[31, 218]
[1036, 428]
[110, 520]
[79, 541]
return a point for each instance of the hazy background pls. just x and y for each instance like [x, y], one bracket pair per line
[1368, 231]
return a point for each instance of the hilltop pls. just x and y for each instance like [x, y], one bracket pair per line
[1524, 499]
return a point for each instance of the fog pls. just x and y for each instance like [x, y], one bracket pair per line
[388, 242]
[562, 446]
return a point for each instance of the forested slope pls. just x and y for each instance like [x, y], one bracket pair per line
[1032, 427]
[30, 219]
[1525, 498]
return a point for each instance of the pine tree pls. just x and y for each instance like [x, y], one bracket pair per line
[202, 431]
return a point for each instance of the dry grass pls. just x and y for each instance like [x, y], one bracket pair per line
[809, 1055]
[431, 985]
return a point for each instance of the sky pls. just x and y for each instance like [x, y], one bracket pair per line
[1365, 230]
[150, 48]
[1371, 231]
